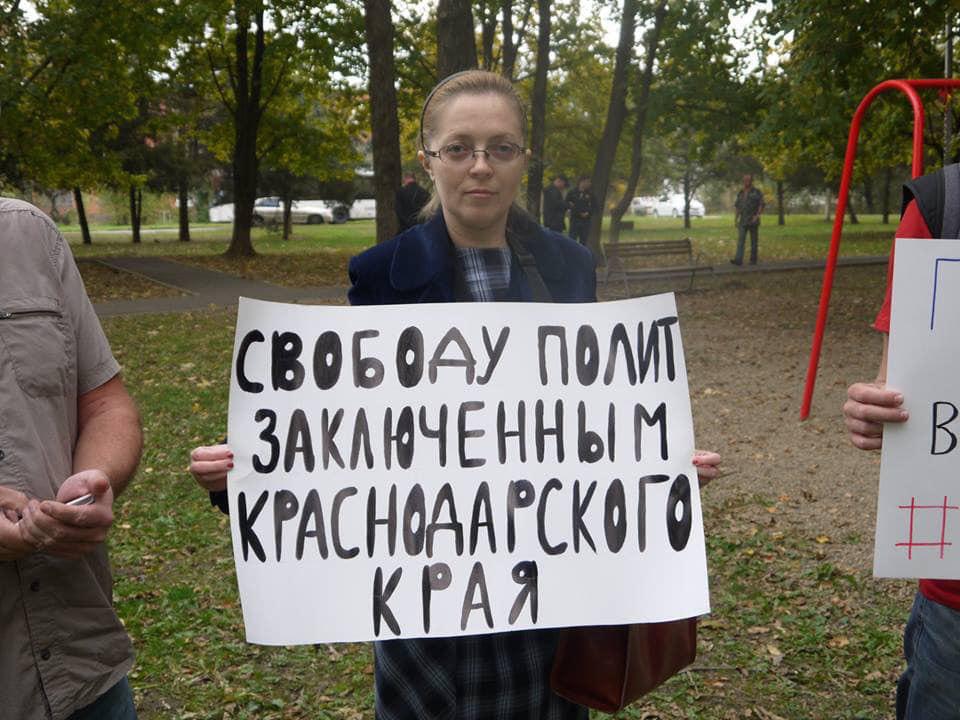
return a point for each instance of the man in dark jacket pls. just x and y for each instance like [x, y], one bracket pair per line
[554, 208]
[582, 205]
[411, 199]
[749, 205]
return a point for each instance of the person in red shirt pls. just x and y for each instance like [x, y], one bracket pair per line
[929, 689]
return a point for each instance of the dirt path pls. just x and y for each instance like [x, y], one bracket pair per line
[747, 364]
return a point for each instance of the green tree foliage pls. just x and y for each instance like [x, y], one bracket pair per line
[72, 86]
[261, 55]
[826, 61]
[704, 97]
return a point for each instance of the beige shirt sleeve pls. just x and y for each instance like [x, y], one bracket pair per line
[95, 362]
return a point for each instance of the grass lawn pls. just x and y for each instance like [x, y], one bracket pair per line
[799, 628]
[803, 236]
[213, 238]
[318, 254]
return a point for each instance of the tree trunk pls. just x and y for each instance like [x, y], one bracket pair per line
[82, 216]
[244, 185]
[686, 200]
[182, 188]
[488, 24]
[247, 114]
[887, 182]
[509, 42]
[383, 112]
[538, 110]
[136, 206]
[868, 195]
[851, 212]
[51, 196]
[456, 44]
[780, 214]
[616, 115]
[642, 100]
[287, 199]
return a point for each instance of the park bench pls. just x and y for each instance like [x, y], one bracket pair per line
[622, 256]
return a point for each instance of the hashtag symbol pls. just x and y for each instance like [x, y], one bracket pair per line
[913, 508]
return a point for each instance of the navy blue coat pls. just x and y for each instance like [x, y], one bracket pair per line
[419, 678]
[418, 265]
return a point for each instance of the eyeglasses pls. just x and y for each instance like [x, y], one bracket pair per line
[500, 153]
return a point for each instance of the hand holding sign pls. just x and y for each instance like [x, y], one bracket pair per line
[868, 408]
[209, 466]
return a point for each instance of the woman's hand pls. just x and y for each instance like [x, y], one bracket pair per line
[707, 464]
[868, 407]
[209, 465]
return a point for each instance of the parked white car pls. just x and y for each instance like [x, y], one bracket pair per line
[672, 206]
[221, 213]
[363, 209]
[643, 205]
[312, 212]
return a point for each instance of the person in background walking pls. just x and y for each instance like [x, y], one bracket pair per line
[582, 205]
[749, 205]
[554, 207]
[411, 199]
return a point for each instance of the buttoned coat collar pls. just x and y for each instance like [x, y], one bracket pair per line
[424, 258]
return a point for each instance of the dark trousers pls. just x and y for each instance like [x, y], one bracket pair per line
[742, 241]
[580, 230]
[115, 704]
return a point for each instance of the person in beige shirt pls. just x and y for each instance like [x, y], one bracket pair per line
[68, 429]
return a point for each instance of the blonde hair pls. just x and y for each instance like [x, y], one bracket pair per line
[466, 82]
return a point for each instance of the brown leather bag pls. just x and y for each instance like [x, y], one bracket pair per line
[608, 667]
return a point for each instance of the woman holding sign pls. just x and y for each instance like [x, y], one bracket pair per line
[475, 246]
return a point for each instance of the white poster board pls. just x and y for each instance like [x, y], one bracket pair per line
[440, 470]
[918, 512]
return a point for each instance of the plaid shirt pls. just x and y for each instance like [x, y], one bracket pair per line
[504, 676]
[486, 272]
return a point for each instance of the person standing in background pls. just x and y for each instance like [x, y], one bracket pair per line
[582, 206]
[411, 199]
[554, 207]
[748, 207]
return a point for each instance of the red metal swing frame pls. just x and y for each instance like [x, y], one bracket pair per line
[908, 88]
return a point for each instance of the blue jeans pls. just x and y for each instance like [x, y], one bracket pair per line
[929, 688]
[115, 704]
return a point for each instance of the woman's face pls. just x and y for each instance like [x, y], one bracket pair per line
[476, 194]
